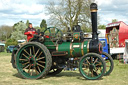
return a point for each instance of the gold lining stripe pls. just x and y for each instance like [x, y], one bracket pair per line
[94, 10]
[82, 49]
[79, 36]
[57, 47]
[71, 50]
[88, 47]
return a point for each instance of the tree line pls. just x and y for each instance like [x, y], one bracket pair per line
[17, 30]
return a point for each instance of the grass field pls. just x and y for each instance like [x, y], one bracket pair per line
[9, 76]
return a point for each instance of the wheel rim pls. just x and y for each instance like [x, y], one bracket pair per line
[109, 63]
[91, 67]
[108, 66]
[31, 61]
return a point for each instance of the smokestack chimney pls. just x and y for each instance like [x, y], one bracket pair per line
[93, 9]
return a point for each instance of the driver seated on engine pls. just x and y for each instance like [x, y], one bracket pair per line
[30, 31]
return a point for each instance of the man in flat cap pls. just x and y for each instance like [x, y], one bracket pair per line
[30, 31]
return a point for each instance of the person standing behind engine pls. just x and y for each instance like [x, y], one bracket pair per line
[30, 31]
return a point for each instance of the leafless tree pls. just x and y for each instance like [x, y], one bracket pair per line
[5, 31]
[69, 13]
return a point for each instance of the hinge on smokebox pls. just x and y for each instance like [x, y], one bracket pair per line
[61, 53]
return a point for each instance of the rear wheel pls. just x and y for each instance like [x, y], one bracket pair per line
[92, 66]
[109, 63]
[33, 60]
[13, 59]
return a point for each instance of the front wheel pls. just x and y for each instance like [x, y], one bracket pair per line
[33, 60]
[92, 66]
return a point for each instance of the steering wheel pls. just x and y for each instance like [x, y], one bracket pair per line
[54, 33]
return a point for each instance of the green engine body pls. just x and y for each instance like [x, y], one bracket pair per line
[73, 48]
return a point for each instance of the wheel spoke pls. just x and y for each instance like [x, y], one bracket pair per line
[39, 69]
[85, 64]
[91, 59]
[25, 63]
[98, 64]
[41, 61]
[25, 56]
[88, 72]
[100, 69]
[97, 68]
[31, 72]
[33, 50]
[37, 52]
[23, 59]
[29, 68]
[85, 68]
[26, 67]
[87, 61]
[107, 66]
[40, 58]
[96, 71]
[92, 73]
[107, 61]
[26, 52]
[36, 71]
[30, 51]
[40, 65]
[95, 60]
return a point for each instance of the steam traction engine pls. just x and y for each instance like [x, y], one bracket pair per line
[48, 52]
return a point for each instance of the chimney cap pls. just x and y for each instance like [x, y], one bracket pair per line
[93, 6]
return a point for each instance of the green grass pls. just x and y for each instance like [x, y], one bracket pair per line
[9, 76]
[4, 54]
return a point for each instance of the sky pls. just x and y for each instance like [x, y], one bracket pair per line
[13, 11]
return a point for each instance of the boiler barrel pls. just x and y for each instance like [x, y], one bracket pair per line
[74, 49]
